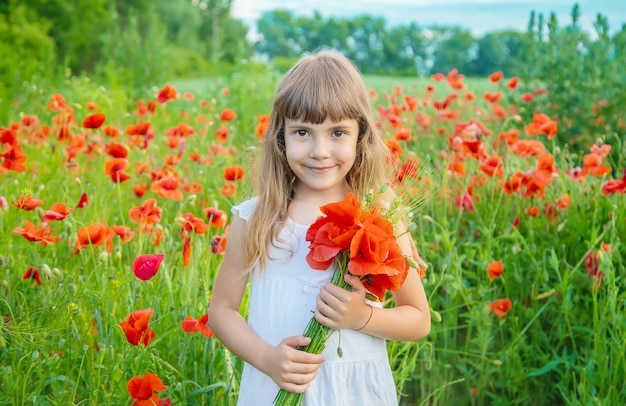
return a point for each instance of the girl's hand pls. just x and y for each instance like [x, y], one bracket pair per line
[292, 369]
[338, 308]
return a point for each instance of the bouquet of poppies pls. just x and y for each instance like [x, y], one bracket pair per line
[361, 242]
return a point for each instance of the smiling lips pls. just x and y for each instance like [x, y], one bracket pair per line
[320, 170]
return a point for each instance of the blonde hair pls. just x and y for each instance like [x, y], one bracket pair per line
[319, 86]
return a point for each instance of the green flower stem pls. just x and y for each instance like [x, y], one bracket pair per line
[317, 332]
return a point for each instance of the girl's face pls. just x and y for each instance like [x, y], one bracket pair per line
[321, 155]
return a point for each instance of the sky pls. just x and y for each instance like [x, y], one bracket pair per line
[478, 16]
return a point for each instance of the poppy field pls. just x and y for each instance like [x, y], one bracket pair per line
[114, 216]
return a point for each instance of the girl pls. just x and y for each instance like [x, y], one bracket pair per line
[321, 143]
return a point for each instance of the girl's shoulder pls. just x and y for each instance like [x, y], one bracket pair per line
[245, 208]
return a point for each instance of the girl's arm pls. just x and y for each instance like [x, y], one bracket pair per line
[291, 369]
[409, 320]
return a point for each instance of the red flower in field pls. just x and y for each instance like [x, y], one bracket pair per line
[135, 327]
[592, 263]
[512, 83]
[140, 190]
[541, 124]
[111, 131]
[532, 211]
[94, 234]
[233, 173]
[613, 186]
[13, 159]
[513, 185]
[145, 266]
[492, 167]
[229, 190]
[496, 77]
[147, 213]
[563, 202]
[33, 273]
[526, 148]
[57, 212]
[403, 134]
[167, 93]
[466, 200]
[94, 120]
[495, 269]
[218, 244]
[36, 233]
[510, 136]
[228, 115]
[167, 187]
[83, 201]
[191, 325]
[527, 97]
[92, 105]
[190, 223]
[593, 164]
[143, 389]
[222, 134]
[437, 77]
[116, 150]
[262, 124]
[124, 232]
[501, 307]
[27, 203]
[216, 217]
[115, 169]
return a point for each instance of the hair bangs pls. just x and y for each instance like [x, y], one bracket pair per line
[326, 90]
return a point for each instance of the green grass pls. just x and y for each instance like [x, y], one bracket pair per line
[563, 341]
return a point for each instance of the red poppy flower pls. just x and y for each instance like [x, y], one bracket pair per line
[116, 150]
[501, 307]
[232, 173]
[143, 389]
[135, 327]
[94, 234]
[27, 203]
[124, 232]
[94, 120]
[512, 83]
[83, 201]
[115, 169]
[191, 325]
[33, 273]
[216, 217]
[111, 131]
[218, 244]
[145, 266]
[222, 134]
[374, 253]
[57, 212]
[228, 115]
[229, 190]
[147, 213]
[167, 93]
[36, 233]
[167, 187]
[13, 159]
[495, 269]
[496, 77]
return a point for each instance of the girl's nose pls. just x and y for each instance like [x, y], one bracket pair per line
[320, 147]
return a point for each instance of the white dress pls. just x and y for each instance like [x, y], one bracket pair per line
[282, 301]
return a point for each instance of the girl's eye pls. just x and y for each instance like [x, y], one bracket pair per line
[302, 133]
[338, 134]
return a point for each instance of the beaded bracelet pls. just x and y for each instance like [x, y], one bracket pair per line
[368, 319]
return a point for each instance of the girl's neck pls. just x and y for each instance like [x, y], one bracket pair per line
[304, 208]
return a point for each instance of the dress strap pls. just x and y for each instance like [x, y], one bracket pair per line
[245, 208]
